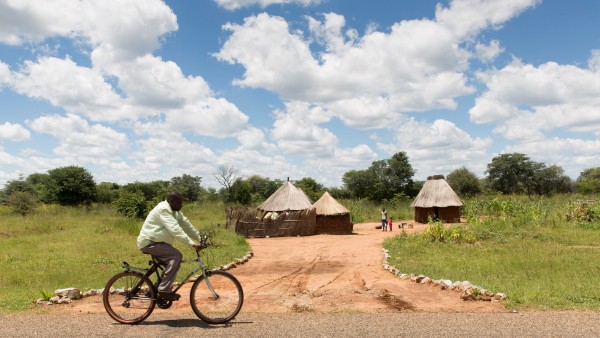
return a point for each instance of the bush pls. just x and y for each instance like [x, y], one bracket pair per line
[132, 205]
[22, 202]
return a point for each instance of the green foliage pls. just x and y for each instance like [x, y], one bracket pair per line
[239, 192]
[515, 173]
[310, 187]
[588, 181]
[464, 182]
[437, 232]
[44, 187]
[132, 205]
[107, 192]
[261, 188]
[151, 190]
[22, 202]
[73, 185]
[46, 295]
[18, 185]
[188, 186]
[383, 179]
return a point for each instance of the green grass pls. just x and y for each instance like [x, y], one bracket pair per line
[528, 251]
[61, 247]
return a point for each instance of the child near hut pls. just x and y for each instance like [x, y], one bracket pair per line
[390, 224]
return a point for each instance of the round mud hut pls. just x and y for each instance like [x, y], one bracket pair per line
[287, 212]
[332, 216]
[437, 200]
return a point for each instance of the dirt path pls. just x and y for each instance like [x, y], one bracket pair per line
[325, 273]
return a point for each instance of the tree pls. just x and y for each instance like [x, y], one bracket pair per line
[107, 192]
[18, 185]
[44, 187]
[261, 188]
[74, 185]
[22, 202]
[588, 181]
[152, 191]
[239, 192]
[512, 173]
[464, 182]
[392, 177]
[551, 180]
[188, 186]
[359, 183]
[310, 187]
[226, 175]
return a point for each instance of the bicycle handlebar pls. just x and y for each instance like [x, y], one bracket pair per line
[203, 243]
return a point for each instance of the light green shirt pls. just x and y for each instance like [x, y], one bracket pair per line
[165, 225]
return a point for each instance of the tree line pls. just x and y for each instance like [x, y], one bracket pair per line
[512, 173]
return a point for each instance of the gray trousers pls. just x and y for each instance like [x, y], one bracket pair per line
[169, 256]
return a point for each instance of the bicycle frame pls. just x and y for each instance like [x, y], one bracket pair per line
[157, 268]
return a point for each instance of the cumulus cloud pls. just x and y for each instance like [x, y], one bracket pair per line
[127, 28]
[488, 53]
[80, 141]
[465, 18]
[13, 132]
[237, 4]
[528, 101]
[438, 147]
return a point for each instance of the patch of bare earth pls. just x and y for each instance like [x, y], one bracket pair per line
[325, 273]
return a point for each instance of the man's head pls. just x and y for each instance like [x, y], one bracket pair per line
[175, 200]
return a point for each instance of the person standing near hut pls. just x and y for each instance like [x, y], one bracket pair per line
[390, 223]
[383, 219]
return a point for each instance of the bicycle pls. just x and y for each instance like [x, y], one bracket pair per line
[130, 296]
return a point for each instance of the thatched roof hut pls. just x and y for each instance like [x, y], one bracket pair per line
[437, 200]
[286, 198]
[287, 212]
[332, 216]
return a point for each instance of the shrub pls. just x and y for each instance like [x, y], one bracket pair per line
[132, 205]
[22, 202]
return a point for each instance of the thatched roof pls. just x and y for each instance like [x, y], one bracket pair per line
[287, 197]
[329, 206]
[436, 192]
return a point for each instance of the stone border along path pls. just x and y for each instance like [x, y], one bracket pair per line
[470, 291]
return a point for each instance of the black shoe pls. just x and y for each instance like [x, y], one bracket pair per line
[169, 296]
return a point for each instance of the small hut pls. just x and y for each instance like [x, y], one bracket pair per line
[437, 200]
[287, 212]
[332, 216]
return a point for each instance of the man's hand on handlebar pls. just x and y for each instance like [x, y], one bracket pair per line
[198, 247]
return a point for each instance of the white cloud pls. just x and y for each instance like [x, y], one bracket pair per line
[79, 141]
[488, 53]
[296, 131]
[418, 66]
[61, 82]
[237, 4]
[465, 18]
[438, 147]
[127, 28]
[254, 139]
[330, 170]
[13, 132]
[528, 101]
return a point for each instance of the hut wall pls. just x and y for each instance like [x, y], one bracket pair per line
[336, 224]
[450, 214]
[289, 223]
[447, 214]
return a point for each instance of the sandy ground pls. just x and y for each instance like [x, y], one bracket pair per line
[324, 273]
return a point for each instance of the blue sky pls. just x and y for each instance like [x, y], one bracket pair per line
[143, 90]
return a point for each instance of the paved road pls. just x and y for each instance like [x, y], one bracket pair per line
[528, 324]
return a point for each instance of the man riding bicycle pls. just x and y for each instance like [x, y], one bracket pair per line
[164, 224]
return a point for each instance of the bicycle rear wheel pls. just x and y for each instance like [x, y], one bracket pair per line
[129, 297]
[222, 305]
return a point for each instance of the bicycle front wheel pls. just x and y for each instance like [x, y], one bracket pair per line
[129, 297]
[218, 298]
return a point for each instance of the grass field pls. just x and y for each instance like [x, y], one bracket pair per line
[61, 247]
[542, 253]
